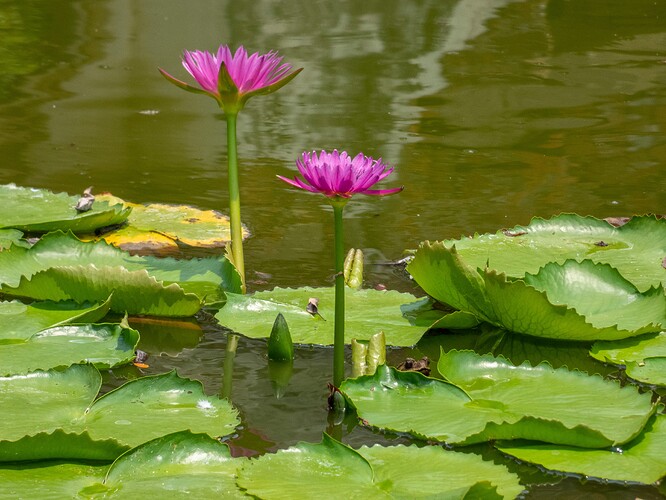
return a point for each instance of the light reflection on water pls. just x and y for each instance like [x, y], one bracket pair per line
[492, 111]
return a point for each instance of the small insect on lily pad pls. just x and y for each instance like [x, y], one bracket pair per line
[163, 229]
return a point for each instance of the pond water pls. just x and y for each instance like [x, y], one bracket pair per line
[492, 112]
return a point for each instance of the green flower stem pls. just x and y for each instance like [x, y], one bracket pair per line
[234, 199]
[339, 328]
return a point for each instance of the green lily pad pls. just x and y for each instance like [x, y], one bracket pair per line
[9, 237]
[134, 292]
[636, 249]
[40, 211]
[180, 463]
[332, 470]
[104, 345]
[19, 321]
[367, 312]
[48, 480]
[581, 403]
[568, 301]
[207, 278]
[641, 460]
[493, 399]
[644, 357]
[432, 472]
[41, 402]
[325, 470]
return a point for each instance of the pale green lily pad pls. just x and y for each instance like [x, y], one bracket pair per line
[45, 480]
[36, 404]
[331, 469]
[644, 357]
[325, 470]
[580, 402]
[19, 321]
[9, 237]
[641, 460]
[366, 312]
[207, 278]
[177, 464]
[495, 400]
[636, 249]
[40, 211]
[432, 472]
[134, 292]
[104, 345]
[569, 301]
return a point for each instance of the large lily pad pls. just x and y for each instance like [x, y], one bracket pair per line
[367, 312]
[104, 345]
[19, 321]
[207, 278]
[641, 460]
[494, 399]
[40, 210]
[644, 357]
[332, 470]
[37, 404]
[636, 249]
[180, 463]
[572, 301]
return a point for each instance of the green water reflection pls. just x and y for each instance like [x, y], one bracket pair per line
[493, 111]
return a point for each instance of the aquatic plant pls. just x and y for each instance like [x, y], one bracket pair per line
[338, 176]
[231, 80]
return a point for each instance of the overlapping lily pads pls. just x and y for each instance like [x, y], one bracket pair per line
[493, 399]
[61, 267]
[542, 280]
[397, 314]
[332, 470]
[183, 463]
[19, 321]
[636, 249]
[644, 357]
[39, 211]
[641, 460]
[43, 409]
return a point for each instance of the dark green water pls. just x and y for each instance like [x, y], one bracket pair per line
[492, 112]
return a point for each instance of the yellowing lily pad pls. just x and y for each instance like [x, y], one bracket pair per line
[160, 228]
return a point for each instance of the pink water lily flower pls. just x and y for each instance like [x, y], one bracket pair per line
[338, 175]
[232, 79]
